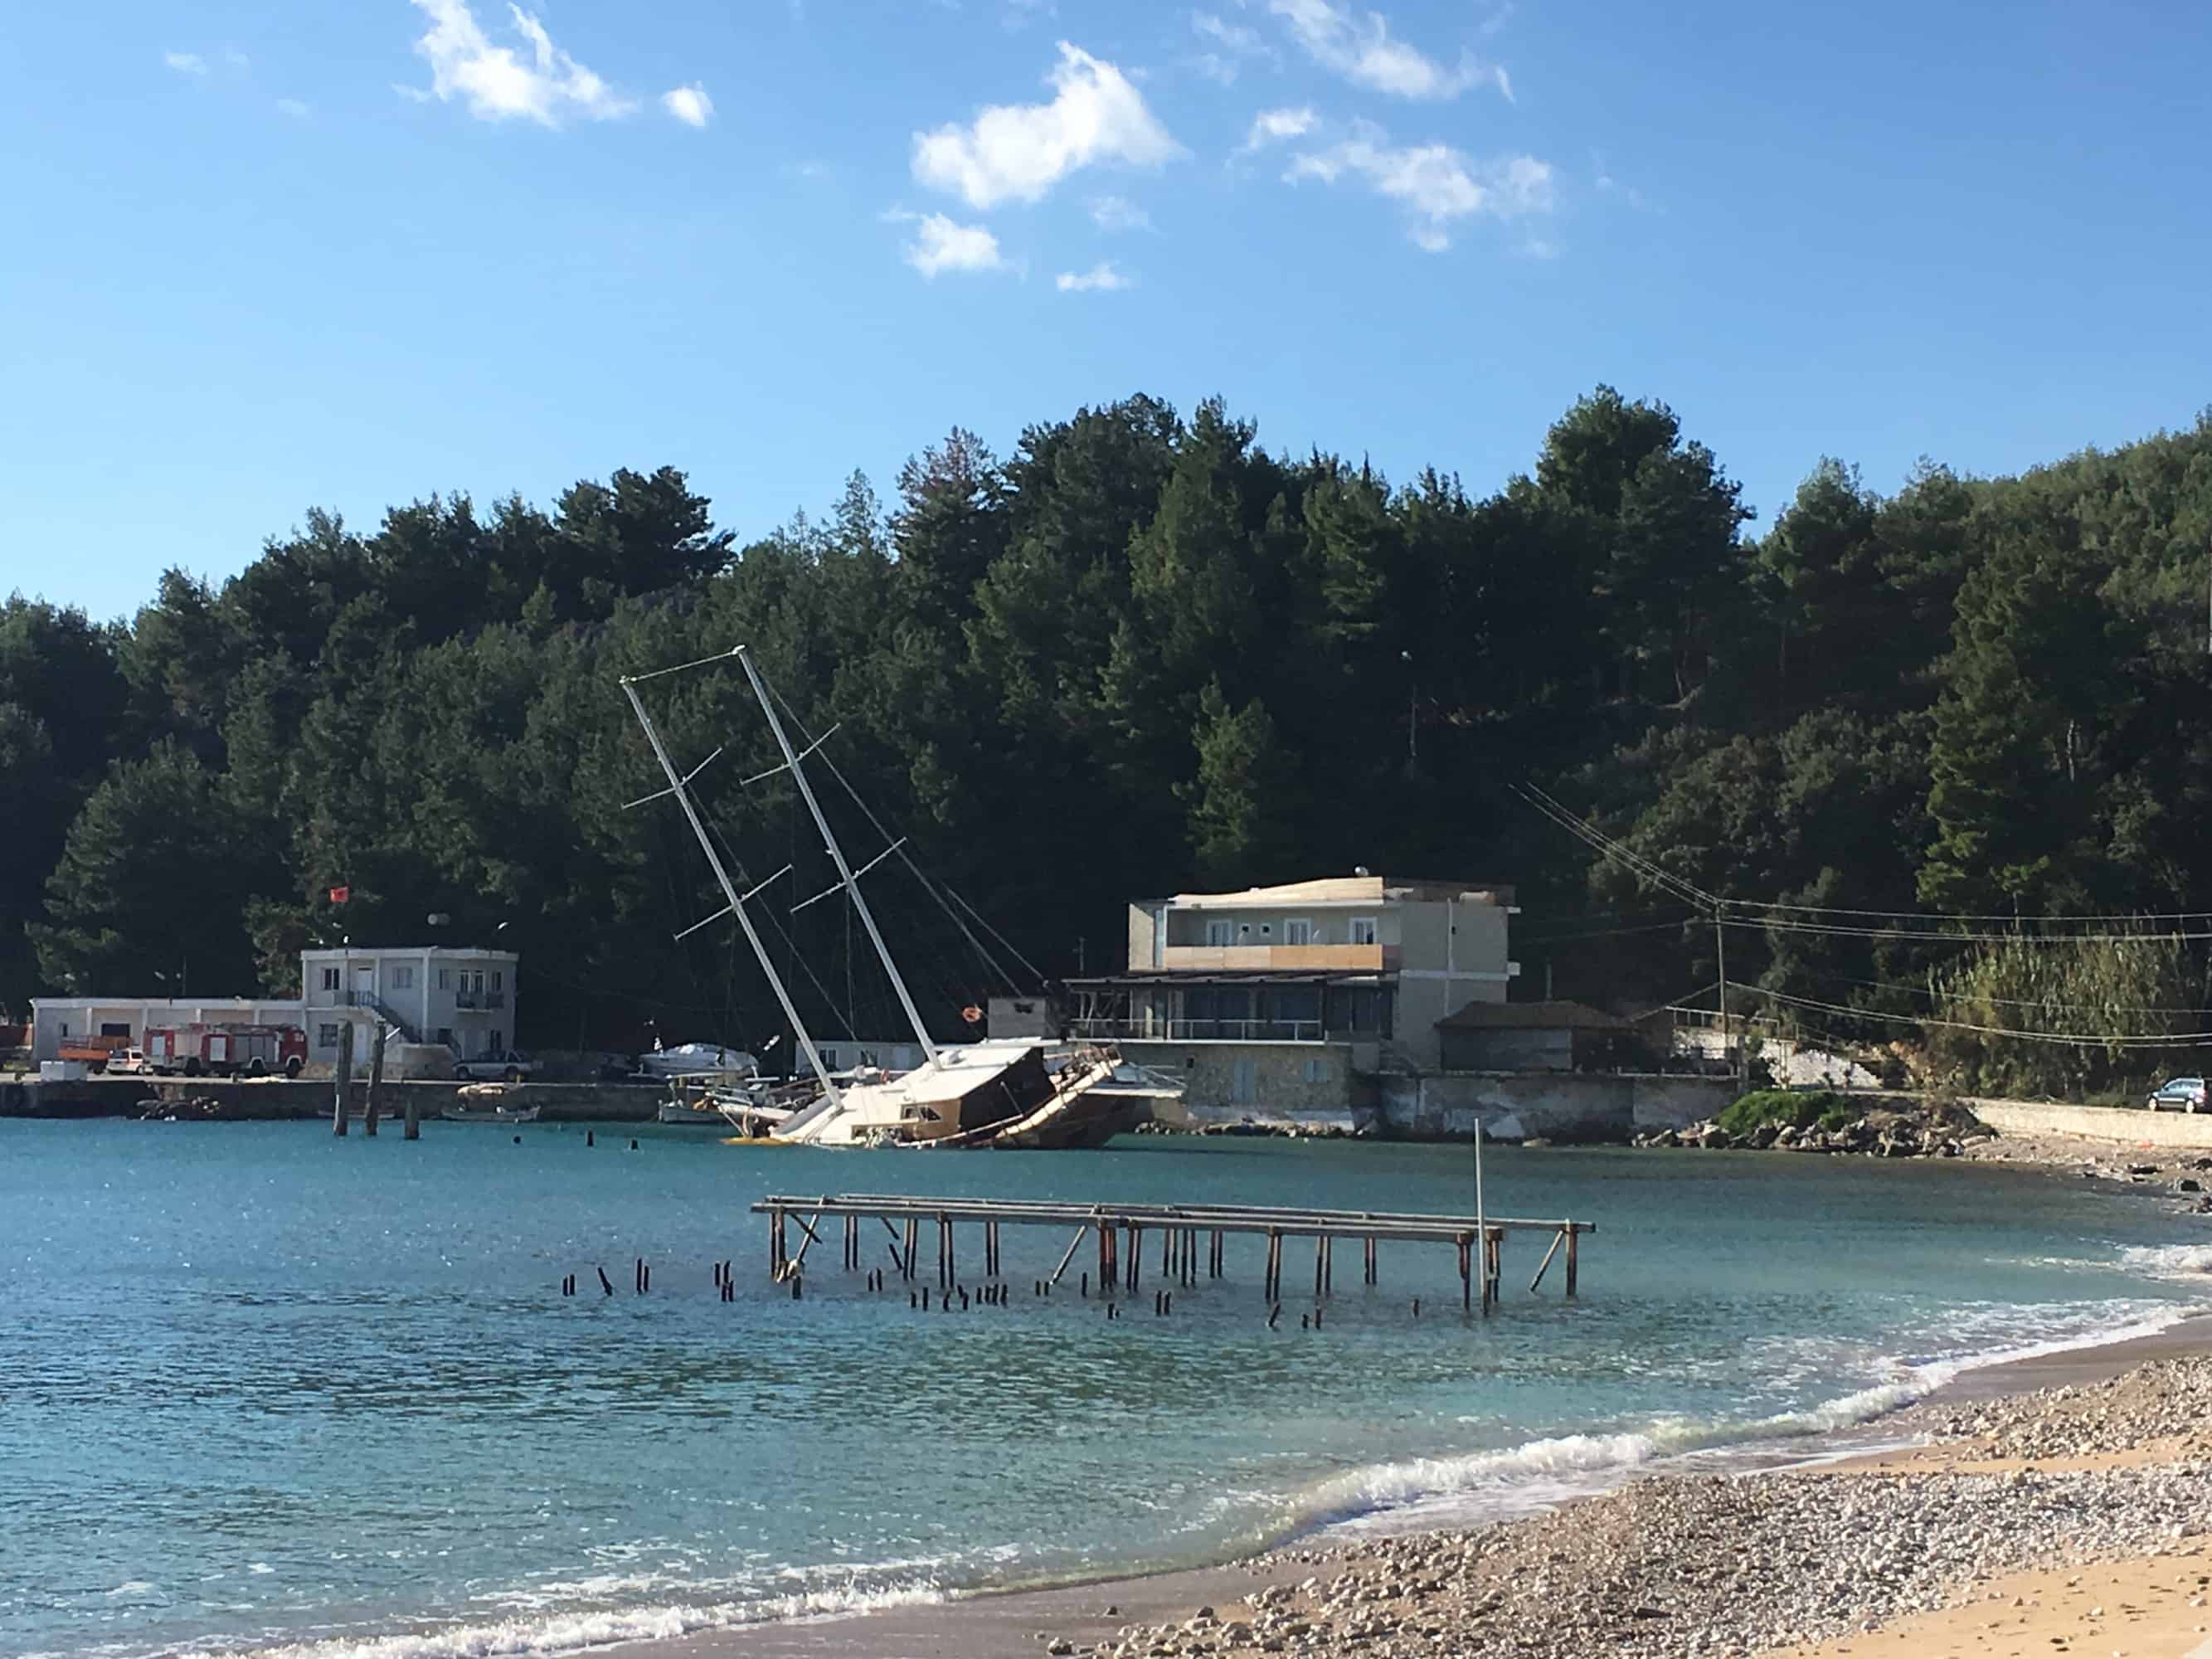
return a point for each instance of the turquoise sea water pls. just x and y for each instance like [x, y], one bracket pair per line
[260, 1389]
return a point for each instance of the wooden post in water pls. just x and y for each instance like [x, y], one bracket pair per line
[1572, 1236]
[913, 1245]
[375, 1079]
[413, 1129]
[342, 1089]
[1465, 1274]
[1136, 1261]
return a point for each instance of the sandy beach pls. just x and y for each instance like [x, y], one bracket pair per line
[2058, 1504]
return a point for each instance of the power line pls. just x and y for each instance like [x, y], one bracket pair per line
[1972, 915]
[1835, 931]
[2073, 1039]
[2010, 1002]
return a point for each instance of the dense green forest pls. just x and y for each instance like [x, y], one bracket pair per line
[1139, 654]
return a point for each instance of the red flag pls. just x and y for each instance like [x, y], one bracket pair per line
[340, 895]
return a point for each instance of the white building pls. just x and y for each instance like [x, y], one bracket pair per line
[459, 997]
[122, 1021]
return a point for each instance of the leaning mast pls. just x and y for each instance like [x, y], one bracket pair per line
[677, 788]
[743, 655]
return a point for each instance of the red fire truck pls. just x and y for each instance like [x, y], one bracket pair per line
[226, 1050]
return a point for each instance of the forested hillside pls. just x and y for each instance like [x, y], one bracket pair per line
[1137, 654]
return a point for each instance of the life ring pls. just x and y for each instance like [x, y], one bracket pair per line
[972, 1014]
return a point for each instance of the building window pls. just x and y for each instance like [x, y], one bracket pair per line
[1220, 933]
[1298, 930]
[326, 1037]
[445, 979]
[446, 1036]
[1363, 930]
[1244, 1082]
[498, 1044]
[330, 979]
[114, 1028]
[829, 1058]
[1316, 1071]
[498, 980]
[403, 979]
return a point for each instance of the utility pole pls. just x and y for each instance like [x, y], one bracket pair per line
[1412, 715]
[1720, 949]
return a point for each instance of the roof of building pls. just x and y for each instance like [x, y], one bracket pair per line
[1531, 1017]
[1189, 977]
[475, 953]
[1355, 889]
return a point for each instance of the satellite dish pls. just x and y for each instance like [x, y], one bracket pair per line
[439, 919]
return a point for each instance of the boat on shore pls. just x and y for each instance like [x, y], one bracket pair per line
[1016, 1093]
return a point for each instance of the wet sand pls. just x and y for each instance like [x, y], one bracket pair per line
[1083, 1618]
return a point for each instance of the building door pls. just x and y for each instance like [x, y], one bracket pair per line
[1244, 1082]
[364, 987]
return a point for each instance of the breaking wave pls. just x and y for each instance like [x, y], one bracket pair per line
[566, 1633]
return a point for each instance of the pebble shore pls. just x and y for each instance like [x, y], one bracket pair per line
[1712, 1566]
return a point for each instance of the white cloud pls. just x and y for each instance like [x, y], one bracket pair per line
[292, 107]
[498, 84]
[1361, 49]
[1101, 277]
[1020, 151]
[186, 62]
[1232, 43]
[939, 245]
[1112, 213]
[689, 105]
[1273, 126]
[1435, 184]
[235, 58]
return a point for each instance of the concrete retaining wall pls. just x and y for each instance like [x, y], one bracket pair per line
[276, 1098]
[2125, 1126]
[1517, 1106]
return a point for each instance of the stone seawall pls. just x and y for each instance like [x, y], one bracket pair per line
[2125, 1126]
[282, 1100]
[1566, 1107]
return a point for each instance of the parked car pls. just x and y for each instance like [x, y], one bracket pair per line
[2185, 1093]
[509, 1064]
[131, 1060]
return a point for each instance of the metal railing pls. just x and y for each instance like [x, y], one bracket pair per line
[1204, 1031]
[479, 999]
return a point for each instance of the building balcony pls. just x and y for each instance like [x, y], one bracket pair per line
[1279, 958]
[1141, 1029]
[479, 999]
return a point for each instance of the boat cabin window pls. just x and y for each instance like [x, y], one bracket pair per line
[1220, 933]
[1298, 930]
[1363, 930]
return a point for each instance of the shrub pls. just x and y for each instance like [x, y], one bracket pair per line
[1783, 1107]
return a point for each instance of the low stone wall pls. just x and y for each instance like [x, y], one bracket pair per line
[2124, 1126]
[280, 1099]
[1524, 1106]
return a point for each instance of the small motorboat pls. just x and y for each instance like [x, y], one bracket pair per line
[691, 1113]
[487, 1102]
[489, 1114]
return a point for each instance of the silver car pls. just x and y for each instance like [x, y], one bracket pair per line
[2186, 1093]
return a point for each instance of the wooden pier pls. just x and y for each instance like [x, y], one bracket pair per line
[1119, 1231]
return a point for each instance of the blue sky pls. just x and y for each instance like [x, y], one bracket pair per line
[262, 256]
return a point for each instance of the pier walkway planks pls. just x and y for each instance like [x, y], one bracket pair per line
[1179, 1226]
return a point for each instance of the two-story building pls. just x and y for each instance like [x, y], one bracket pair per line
[1286, 997]
[459, 997]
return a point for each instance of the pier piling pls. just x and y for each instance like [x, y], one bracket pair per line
[342, 1087]
[375, 1079]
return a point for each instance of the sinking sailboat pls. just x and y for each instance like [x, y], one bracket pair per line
[1006, 1092]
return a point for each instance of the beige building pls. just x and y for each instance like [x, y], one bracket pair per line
[1285, 998]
